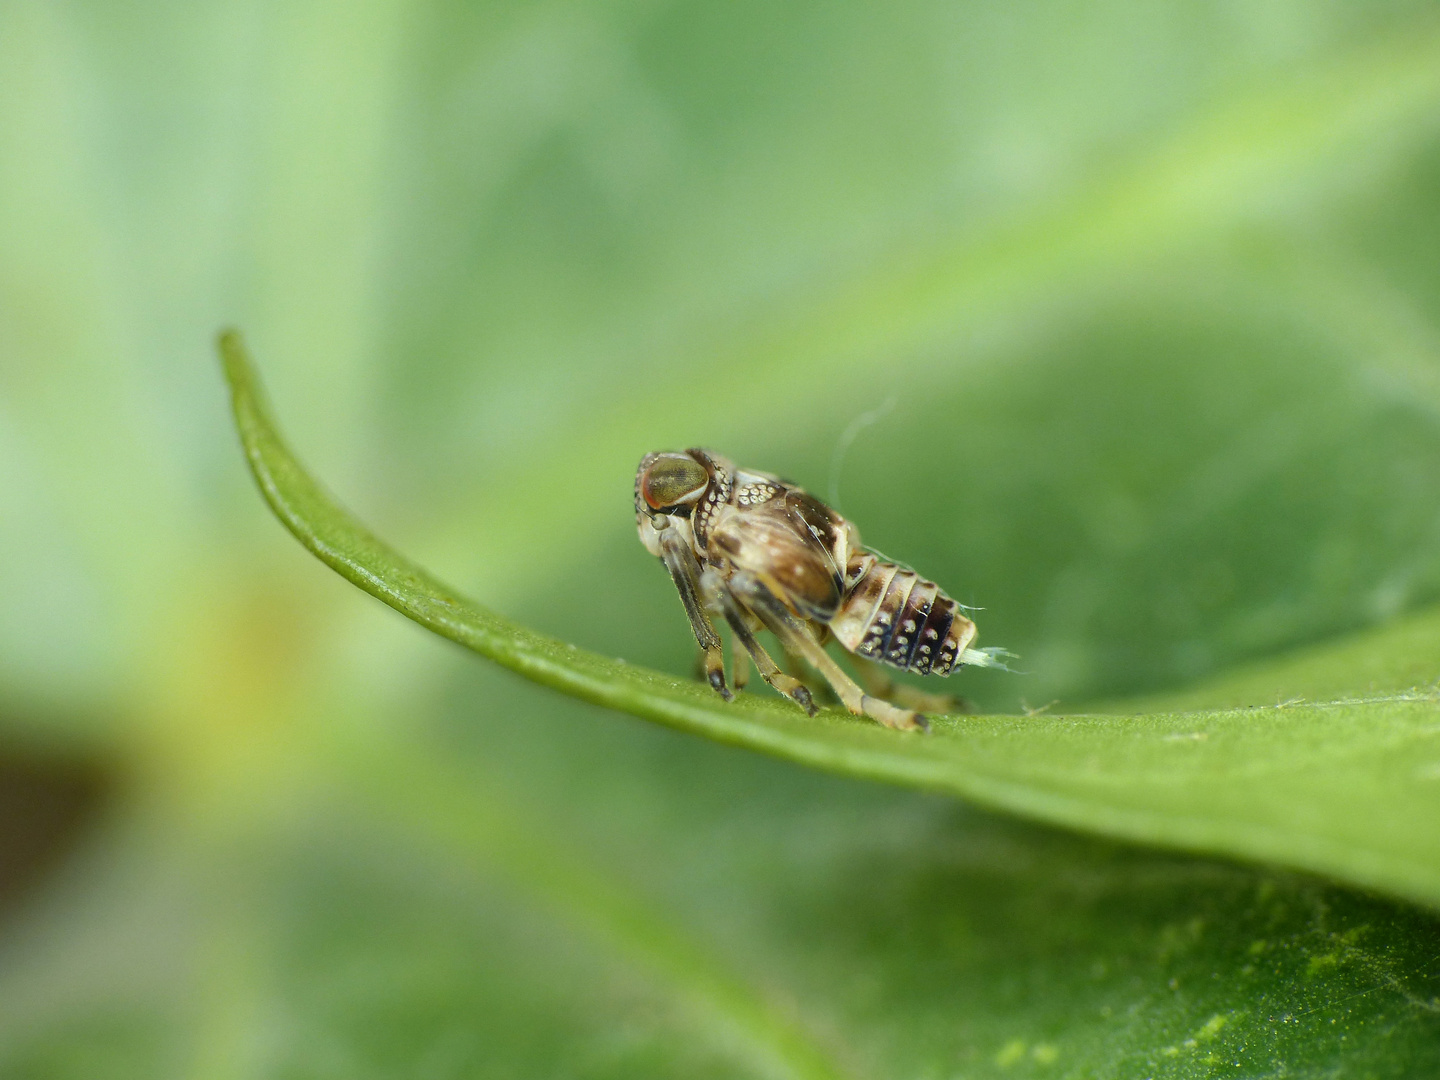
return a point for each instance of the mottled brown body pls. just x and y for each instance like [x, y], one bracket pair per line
[762, 552]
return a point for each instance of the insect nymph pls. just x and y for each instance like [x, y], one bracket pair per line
[762, 553]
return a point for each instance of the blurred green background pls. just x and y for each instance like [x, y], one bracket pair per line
[1156, 289]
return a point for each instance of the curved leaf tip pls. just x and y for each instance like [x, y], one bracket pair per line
[1332, 787]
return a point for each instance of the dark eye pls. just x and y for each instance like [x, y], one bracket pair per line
[671, 479]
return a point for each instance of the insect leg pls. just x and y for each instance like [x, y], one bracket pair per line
[822, 691]
[717, 598]
[819, 689]
[797, 639]
[685, 572]
[739, 669]
[877, 683]
[788, 685]
[739, 666]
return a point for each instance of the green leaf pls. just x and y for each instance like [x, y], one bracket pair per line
[421, 909]
[1336, 787]
[1156, 289]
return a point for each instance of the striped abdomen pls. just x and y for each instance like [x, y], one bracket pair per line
[896, 617]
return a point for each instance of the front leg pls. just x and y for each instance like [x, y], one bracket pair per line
[685, 572]
[736, 616]
[739, 668]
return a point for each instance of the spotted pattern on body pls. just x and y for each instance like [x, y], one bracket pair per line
[716, 496]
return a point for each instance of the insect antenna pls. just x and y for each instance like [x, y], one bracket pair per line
[848, 436]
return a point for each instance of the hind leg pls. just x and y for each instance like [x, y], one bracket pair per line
[877, 683]
[799, 641]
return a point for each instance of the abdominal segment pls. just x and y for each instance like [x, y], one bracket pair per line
[894, 616]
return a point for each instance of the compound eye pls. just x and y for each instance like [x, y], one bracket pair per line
[671, 479]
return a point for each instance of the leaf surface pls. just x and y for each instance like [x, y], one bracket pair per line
[1335, 787]
[1154, 290]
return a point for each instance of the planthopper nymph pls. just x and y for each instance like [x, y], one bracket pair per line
[759, 552]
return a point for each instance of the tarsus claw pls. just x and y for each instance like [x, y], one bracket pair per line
[717, 682]
[802, 695]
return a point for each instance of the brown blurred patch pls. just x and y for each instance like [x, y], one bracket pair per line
[45, 806]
